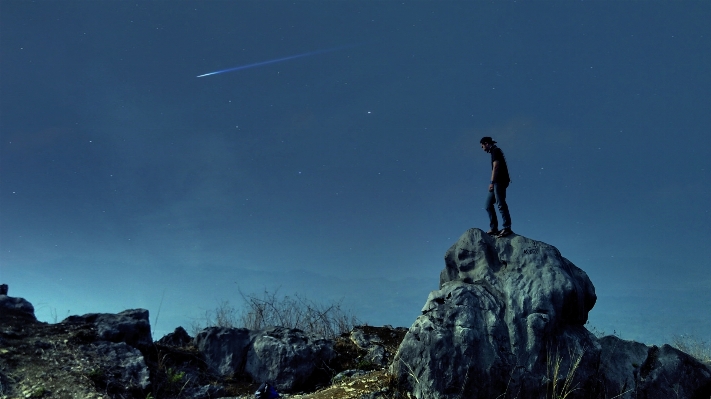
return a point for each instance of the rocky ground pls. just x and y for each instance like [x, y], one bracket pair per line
[69, 360]
[506, 322]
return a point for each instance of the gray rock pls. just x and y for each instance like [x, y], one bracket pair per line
[363, 339]
[506, 309]
[125, 368]
[16, 306]
[631, 370]
[531, 275]
[377, 355]
[225, 349]
[462, 345]
[178, 338]
[288, 358]
[620, 362]
[510, 311]
[670, 373]
[372, 344]
[130, 326]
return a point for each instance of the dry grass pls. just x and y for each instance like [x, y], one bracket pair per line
[561, 381]
[271, 309]
[693, 346]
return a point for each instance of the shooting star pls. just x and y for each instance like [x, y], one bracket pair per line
[291, 57]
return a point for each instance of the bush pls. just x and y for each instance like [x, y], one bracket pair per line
[270, 309]
[296, 312]
[693, 346]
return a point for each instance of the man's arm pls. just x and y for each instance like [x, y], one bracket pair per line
[494, 172]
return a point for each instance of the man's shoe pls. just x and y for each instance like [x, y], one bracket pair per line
[505, 232]
[493, 232]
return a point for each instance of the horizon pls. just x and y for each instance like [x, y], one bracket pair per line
[128, 182]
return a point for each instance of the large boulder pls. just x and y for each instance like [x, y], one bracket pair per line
[124, 369]
[287, 358]
[620, 361]
[15, 307]
[667, 372]
[130, 326]
[533, 276]
[507, 321]
[224, 349]
[508, 318]
[633, 370]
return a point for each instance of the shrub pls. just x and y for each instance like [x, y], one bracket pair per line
[693, 346]
[329, 320]
[271, 309]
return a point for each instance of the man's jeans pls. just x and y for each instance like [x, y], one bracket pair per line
[498, 197]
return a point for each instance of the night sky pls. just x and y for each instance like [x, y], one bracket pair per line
[344, 174]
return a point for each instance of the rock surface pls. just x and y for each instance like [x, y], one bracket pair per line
[372, 344]
[533, 277]
[130, 326]
[508, 321]
[126, 370]
[179, 338]
[633, 370]
[224, 349]
[106, 356]
[290, 359]
[18, 307]
[620, 361]
[286, 358]
[72, 359]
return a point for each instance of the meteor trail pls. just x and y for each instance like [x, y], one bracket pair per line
[291, 57]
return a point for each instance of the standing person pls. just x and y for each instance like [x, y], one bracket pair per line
[497, 189]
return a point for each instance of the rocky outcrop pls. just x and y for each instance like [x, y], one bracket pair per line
[130, 326]
[179, 338]
[507, 321]
[111, 356]
[506, 309]
[633, 370]
[124, 371]
[117, 342]
[620, 361]
[372, 344]
[224, 349]
[15, 307]
[286, 358]
[74, 358]
[533, 278]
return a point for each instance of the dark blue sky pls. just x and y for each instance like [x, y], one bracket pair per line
[348, 174]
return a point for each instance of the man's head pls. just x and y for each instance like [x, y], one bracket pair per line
[487, 143]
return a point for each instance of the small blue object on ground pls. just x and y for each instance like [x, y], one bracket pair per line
[266, 391]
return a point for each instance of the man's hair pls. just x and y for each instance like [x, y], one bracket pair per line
[487, 139]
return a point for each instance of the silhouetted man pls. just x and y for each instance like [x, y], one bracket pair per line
[497, 189]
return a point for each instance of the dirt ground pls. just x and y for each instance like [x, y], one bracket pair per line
[40, 360]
